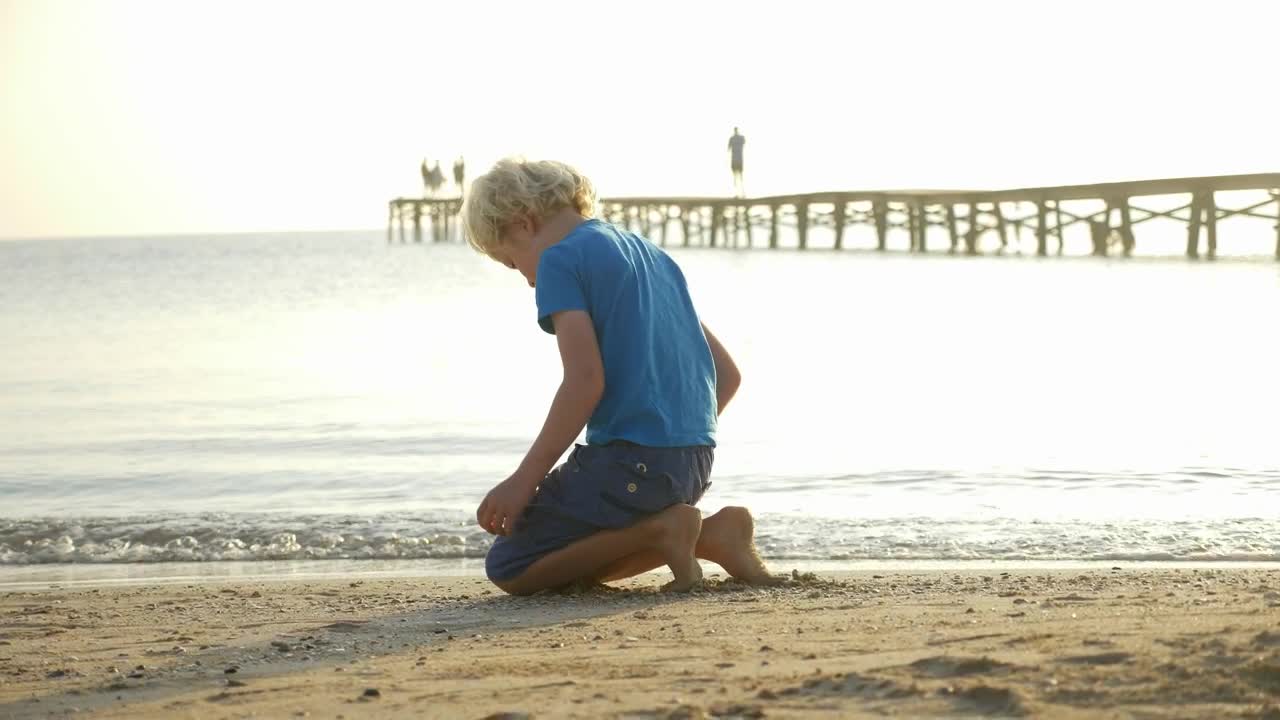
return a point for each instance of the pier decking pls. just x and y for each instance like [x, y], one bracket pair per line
[1107, 210]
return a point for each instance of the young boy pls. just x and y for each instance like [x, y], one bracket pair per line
[640, 372]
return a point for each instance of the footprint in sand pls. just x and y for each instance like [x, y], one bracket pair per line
[1266, 639]
[946, 666]
[1111, 658]
[988, 700]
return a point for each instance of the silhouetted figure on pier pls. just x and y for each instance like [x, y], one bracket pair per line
[433, 178]
[736, 142]
[426, 177]
[460, 174]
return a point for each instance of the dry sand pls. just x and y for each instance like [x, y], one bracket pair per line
[1091, 644]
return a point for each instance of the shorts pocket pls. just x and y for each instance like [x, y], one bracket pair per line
[636, 489]
[615, 486]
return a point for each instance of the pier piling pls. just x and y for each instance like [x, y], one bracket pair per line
[1042, 229]
[802, 223]
[1211, 224]
[951, 227]
[1193, 226]
[1001, 227]
[921, 225]
[974, 230]
[1126, 229]
[1057, 224]
[1276, 193]
[837, 217]
[880, 211]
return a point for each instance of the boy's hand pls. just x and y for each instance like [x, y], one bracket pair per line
[505, 503]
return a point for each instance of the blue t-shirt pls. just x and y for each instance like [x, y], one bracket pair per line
[659, 378]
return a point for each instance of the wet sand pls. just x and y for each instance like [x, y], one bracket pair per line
[1181, 643]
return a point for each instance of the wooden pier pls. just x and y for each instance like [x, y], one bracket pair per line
[967, 218]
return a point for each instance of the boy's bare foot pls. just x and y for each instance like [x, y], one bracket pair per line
[728, 539]
[679, 527]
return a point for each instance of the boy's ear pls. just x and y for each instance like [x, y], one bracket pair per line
[530, 223]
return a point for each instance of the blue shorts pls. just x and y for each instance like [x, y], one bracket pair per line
[600, 487]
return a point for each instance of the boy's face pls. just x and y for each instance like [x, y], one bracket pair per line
[518, 250]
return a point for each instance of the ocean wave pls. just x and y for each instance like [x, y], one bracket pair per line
[234, 538]
[452, 535]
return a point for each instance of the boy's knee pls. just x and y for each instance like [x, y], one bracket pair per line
[734, 514]
[496, 568]
[511, 587]
[678, 517]
[508, 585]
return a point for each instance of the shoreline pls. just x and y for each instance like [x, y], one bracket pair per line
[1050, 642]
[91, 575]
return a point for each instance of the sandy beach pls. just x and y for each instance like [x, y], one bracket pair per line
[1104, 643]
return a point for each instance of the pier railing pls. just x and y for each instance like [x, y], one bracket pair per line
[1109, 211]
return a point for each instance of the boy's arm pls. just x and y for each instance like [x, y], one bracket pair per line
[580, 391]
[727, 376]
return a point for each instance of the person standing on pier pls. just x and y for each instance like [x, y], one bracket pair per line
[433, 177]
[426, 177]
[460, 174]
[736, 141]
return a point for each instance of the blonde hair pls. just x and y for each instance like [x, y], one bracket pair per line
[515, 187]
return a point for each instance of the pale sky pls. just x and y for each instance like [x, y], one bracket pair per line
[187, 116]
